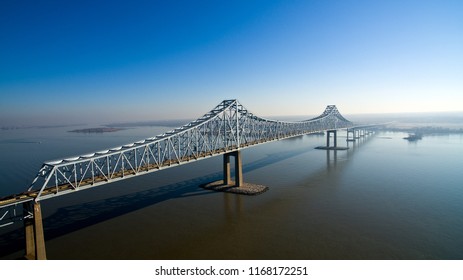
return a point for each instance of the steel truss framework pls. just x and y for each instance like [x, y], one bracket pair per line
[226, 128]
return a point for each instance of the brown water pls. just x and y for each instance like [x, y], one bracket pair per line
[384, 198]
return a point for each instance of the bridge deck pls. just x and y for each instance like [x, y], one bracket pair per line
[93, 181]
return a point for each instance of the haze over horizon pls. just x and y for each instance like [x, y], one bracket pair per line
[102, 62]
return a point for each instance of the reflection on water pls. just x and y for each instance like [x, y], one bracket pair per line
[381, 199]
[233, 207]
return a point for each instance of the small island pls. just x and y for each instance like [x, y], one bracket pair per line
[97, 130]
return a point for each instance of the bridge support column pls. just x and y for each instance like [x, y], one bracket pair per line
[335, 141]
[351, 135]
[33, 230]
[238, 168]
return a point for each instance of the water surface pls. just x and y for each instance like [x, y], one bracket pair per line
[384, 198]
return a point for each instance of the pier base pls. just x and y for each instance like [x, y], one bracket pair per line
[332, 148]
[245, 188]
[33, 230]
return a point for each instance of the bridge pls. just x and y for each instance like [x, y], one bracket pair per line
[225, 130]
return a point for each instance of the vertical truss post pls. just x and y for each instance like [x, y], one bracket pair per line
[237, 127]
[33, 229]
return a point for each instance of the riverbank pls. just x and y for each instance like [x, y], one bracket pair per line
[97, 130]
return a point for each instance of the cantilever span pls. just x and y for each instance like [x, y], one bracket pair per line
[227, 128]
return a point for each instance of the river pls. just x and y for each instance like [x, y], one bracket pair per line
[384, 198]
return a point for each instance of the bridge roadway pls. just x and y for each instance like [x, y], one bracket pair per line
[51, 191]
[225, 130]
[89, 182]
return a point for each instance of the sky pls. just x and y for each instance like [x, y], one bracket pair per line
[120, 61]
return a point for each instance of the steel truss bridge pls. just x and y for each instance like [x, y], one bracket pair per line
[224, 130]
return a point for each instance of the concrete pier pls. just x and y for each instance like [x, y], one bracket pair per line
[335, 138]
[237, 186]
[33, 230]
[335, 142]
[350, 135]
[238, 168]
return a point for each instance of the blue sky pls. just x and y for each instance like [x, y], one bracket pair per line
[112, 61]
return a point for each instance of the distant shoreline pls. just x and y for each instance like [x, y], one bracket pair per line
[428, 130]
[97, 130]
